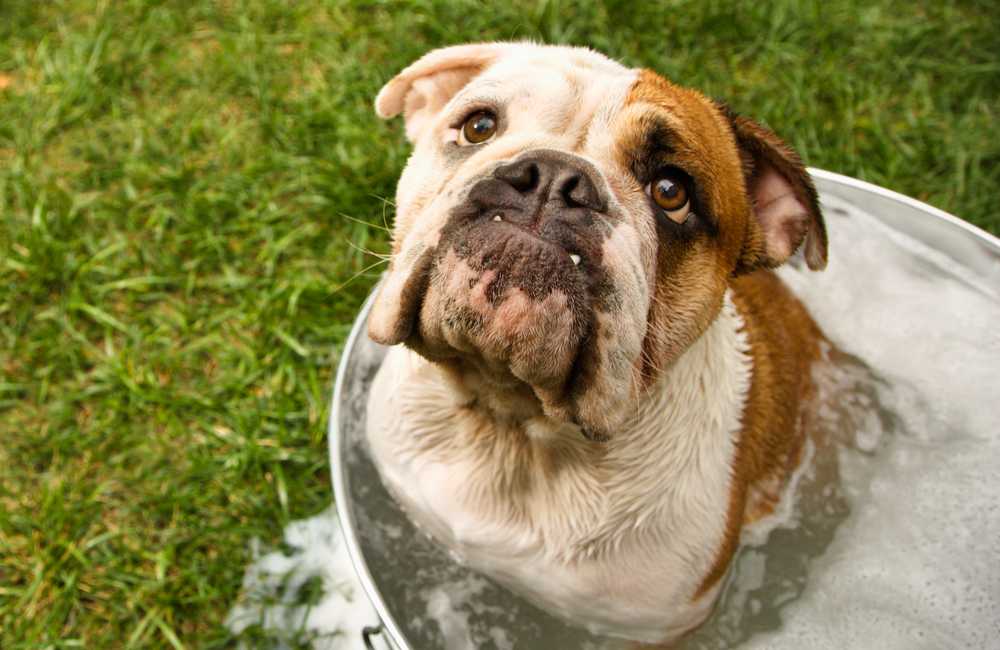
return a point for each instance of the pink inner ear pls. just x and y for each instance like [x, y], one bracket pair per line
[784, 219]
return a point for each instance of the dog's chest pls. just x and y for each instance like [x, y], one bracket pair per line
[621, 549]
[539, 558]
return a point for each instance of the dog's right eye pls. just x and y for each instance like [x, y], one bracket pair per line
[479, 127]
[670, 194]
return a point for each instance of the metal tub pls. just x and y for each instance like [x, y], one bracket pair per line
[391, 556]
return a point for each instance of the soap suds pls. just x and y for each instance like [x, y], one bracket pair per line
[309, 594]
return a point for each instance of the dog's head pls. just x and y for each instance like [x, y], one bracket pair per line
[569, 225]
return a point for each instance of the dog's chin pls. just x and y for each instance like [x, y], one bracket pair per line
[510, 303]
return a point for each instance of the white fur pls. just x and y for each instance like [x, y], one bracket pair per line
[619, 536]
[568, 103]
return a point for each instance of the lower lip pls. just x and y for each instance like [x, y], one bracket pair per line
[533, 234]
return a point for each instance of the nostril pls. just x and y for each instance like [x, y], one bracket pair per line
[523, 177]
[570, 186]
[528, 179]
[558, 176]
[578, 191]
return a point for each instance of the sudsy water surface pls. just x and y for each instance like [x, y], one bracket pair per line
[902, 551]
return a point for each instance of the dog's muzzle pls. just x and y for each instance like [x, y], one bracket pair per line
[518, 270]
[537, 221]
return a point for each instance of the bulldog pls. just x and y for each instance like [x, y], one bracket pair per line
[596, 382]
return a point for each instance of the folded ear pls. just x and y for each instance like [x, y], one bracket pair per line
[785, 206]
[423, 88]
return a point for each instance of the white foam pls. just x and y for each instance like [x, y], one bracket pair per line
[785, 515]
[443, 606]
[459, 609]
[273, 590]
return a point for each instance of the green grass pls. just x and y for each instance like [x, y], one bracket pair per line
[175, 186]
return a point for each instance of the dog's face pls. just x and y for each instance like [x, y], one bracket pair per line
[569, 226]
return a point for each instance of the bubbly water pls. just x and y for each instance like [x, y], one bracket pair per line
[902, 551]
[305, 593]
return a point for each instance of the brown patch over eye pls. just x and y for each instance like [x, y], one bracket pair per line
[479, 127]
[669, 192]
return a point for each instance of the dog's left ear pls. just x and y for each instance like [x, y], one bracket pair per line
[426, 85]
[785, 206]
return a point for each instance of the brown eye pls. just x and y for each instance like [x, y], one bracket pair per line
[670, 194]
[479, 127]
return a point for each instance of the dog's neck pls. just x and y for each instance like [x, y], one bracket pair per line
[497, 394]
[507, 402]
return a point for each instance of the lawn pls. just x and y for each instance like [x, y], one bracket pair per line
[184, 192]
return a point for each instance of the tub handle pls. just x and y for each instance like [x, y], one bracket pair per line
[368, 632]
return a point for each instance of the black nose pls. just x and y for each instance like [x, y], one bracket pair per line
[554, 176]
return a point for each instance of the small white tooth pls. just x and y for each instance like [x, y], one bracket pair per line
[575, 258]
[497, 217]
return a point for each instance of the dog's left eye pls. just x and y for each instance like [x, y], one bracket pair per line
[670, 193]
[479, 127]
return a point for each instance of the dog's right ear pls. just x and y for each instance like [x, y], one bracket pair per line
[423, 88]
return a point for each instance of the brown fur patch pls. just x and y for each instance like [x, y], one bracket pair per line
[784, 343]
[664, 125]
